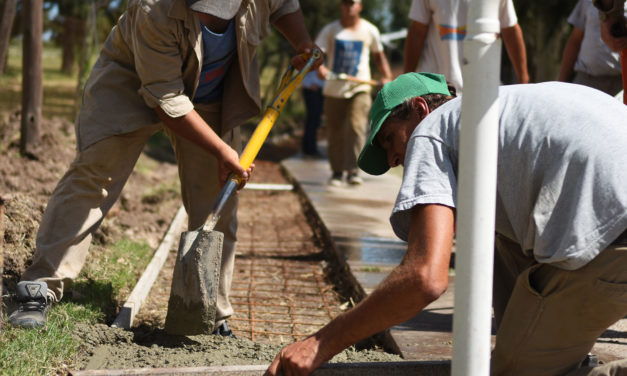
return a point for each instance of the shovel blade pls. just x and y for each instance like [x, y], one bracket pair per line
[193, 296]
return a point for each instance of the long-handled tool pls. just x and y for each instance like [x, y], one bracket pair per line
[192, 304]
[346, 77]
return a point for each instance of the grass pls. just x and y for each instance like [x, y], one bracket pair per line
[94, 297]
[48, 350]
[119, 267]
[59, 96]
[371, 269]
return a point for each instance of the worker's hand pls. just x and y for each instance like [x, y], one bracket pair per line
[384, 80]
[304, 52]
[299, 358]
[249, 173]
[228, 162]
[323, 72]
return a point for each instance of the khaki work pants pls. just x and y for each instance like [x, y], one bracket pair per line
[93, 183]
[346, 120]
[548, 318]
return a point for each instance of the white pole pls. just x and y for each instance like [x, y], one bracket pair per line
[477, 191]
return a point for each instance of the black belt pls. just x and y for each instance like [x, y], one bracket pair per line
[621, 240]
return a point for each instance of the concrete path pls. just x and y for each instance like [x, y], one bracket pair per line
[357, 218]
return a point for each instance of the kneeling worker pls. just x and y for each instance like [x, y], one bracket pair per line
[561, 220]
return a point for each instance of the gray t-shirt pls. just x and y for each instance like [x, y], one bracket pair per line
[562, 170]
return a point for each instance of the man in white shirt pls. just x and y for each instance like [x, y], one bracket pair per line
[437, 30]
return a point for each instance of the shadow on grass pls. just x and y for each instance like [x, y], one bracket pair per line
[160, 148]
[96, 295]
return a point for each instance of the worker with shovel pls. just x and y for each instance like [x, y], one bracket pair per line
[561, 222]
[190, 68]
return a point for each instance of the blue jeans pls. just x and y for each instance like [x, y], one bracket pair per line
[313, 107]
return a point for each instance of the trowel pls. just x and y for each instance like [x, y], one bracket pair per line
[193, 296]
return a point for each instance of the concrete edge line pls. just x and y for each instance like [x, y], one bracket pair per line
[424, 368]
[358, 291]
[268, 187]
[144, 284]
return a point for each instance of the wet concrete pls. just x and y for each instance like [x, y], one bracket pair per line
[370, 259]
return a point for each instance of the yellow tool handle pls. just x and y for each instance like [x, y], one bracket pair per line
[259, 136]
[272, 112]
[286, 87]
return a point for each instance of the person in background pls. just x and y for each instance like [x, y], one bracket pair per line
[184, 67]
[560, 255]
[587, 60]
[614, 32]
[312, 95]
[348, 44]
[437, 30]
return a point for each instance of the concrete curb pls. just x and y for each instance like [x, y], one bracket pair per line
[142, 288]
[329, 369]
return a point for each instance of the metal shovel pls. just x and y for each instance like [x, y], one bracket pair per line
[192, 304]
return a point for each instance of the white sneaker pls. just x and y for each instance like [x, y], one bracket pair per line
[354, 179]
[336, 179]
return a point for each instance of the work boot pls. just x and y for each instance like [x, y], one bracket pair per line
[33, 305]
[223, 330]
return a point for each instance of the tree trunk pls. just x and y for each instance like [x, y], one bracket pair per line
[74, 30]
[32, 72]
[1, 246]
[6, 24]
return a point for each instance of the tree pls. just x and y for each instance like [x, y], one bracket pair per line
[6, 24]
[32, 73]
[74, 24]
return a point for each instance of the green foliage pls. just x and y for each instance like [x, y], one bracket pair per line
[545, 31]
[319, 13]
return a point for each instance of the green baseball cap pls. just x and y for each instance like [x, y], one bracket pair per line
[373, 158]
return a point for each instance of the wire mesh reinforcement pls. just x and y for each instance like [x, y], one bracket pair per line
[279, 291]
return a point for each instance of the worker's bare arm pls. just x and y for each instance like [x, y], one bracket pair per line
[383, 65]
[515, 46]
[569, 56]
[193, 128]
[421, 278]
[414, 44]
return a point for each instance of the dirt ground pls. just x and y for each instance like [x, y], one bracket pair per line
[25, 186]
